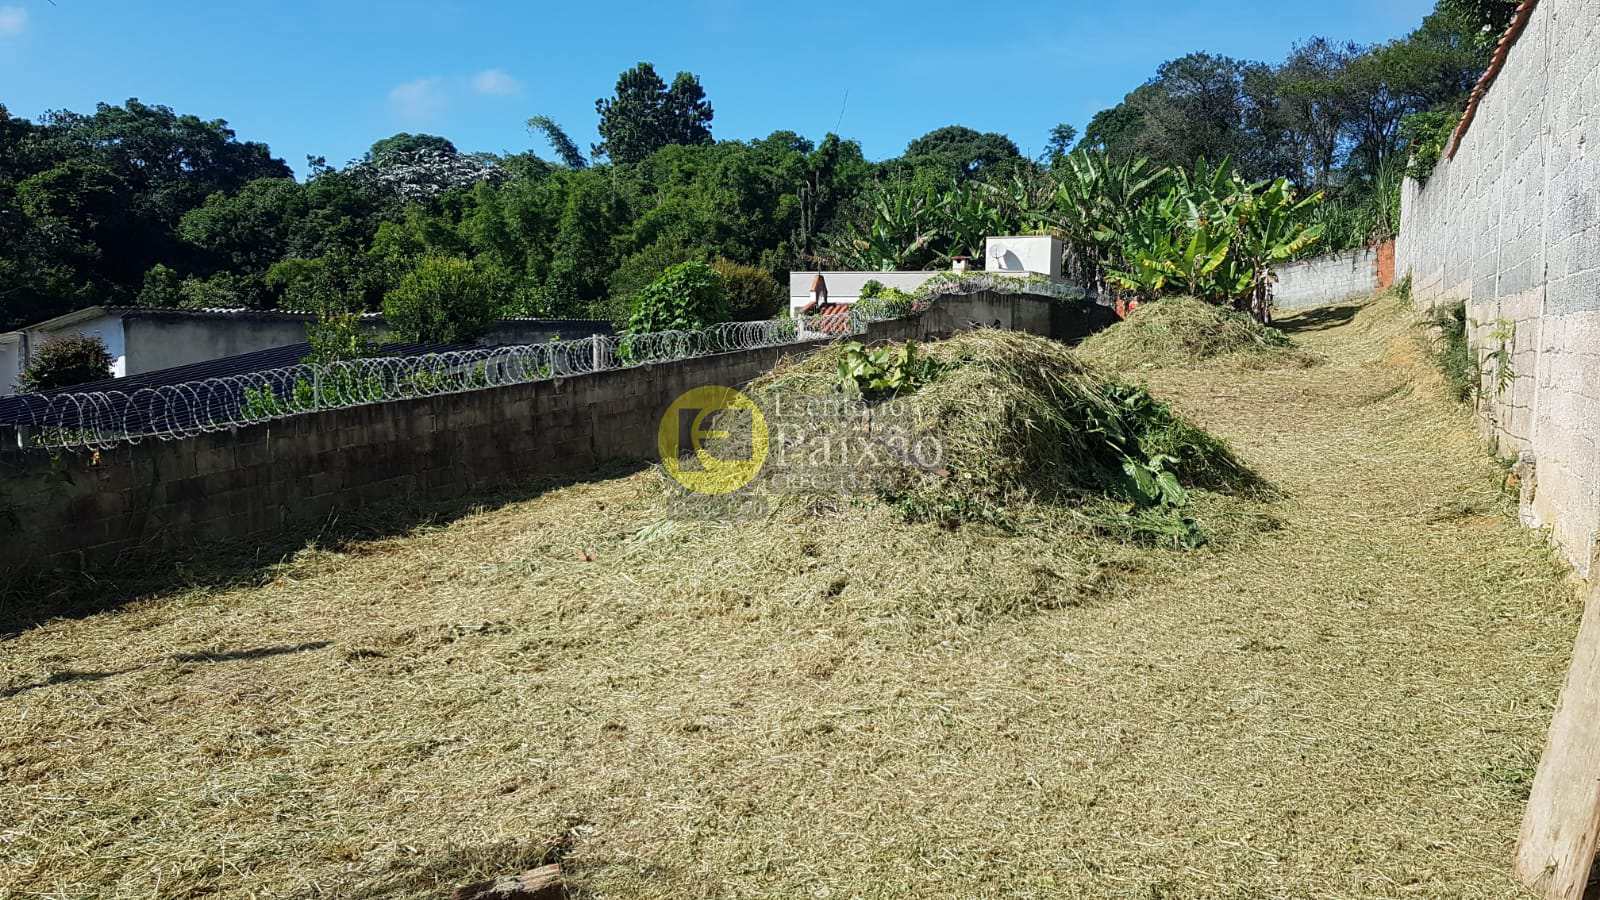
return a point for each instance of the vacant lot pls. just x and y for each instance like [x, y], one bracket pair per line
[828, 703]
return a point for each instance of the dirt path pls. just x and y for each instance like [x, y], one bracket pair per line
[839, 707]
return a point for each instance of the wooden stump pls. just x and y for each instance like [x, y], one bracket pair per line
[1559, 829]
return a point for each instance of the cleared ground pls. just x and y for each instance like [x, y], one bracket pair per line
[835, 704]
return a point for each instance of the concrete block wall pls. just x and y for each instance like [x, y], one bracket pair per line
[1511, 227]
[86, 510]
[1326, 279]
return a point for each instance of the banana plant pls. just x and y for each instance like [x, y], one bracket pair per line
[1273, 226]
[1097, 201]
[968, 213]
[1213, 235]
[897, 233]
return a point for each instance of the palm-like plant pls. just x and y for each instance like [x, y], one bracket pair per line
[1097, 201]
[1273, 227]
[1215, 236]
[897, 230]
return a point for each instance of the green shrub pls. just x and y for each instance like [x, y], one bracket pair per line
[1426, 135]
[1453, 354]
[162, 289]
[336, 336]
[330, 387]
[224, 291]
[66, 361]
[877, 301]
[445, 300]
[884, 371]
[687, 296]
[336, 281]
[752, 293]
[638, 269]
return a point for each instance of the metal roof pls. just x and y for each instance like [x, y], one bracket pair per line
[14, 410]
[216, 312]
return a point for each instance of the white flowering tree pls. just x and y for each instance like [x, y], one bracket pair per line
[417, 176]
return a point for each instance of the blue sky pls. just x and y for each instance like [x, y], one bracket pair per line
[330, 78]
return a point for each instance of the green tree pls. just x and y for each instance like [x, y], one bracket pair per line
[960, 153]
[162, 288]
[90, 202]
[1315, 106]
[1486, 19]
[444, 301]
[565, 148]
[1060, 143]
[249, 230]
[644, 115]
[405, 143]
[687, 297]
[752, 293]
[65, 361]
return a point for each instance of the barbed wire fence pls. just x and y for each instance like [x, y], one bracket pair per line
[101, 420]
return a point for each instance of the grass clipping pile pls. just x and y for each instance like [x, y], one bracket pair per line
[1022, 431]
[1182, 331]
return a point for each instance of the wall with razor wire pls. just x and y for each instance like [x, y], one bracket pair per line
[108, 476]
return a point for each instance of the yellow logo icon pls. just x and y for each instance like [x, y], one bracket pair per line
[696, 419]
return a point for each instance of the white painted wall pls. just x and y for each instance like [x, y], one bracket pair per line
[10, 362]
[1021, 255]
[1325, 279]
[1027, 254]
[845, 287]
[108, 328]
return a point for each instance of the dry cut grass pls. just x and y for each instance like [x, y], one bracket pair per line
[1184, 331]
[828, 702]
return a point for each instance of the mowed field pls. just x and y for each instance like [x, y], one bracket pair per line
[827, 702]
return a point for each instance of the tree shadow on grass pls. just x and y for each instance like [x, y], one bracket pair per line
[71, 676]
[1320, 318]
[29, 601]
[253, 653]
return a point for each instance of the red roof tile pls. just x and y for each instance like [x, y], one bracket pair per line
[1519, 21]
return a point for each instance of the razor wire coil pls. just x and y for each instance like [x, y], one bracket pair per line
[101, 420]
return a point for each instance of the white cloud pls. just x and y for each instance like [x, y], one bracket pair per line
[497, 82]
[13, 19]
[417, 100]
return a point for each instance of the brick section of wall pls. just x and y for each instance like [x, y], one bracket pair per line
[1326, 279]
[85, 510]
[1511, 226]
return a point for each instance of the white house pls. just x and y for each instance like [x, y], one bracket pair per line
[142, 339]
[1018, 255]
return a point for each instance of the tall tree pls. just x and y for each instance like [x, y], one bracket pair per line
[645, 115]
[1060, 142]
[405, 142]
[565, 148]
[1315, 104]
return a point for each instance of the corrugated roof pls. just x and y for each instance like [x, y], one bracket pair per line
[243, 363]
[16, 410]
[1519, 22]
[218, 312]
